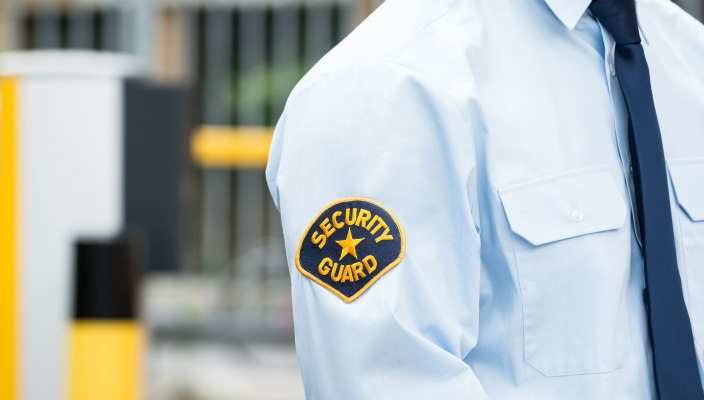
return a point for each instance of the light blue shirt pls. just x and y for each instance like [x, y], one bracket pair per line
[495, 131]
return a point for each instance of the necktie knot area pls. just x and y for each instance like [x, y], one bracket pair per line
[619, 18]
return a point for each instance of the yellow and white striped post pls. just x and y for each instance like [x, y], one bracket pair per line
[60, 179]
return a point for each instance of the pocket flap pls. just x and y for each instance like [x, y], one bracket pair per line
[563, 206]
[688, 181]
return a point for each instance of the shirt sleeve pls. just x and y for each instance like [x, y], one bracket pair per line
[383, 133]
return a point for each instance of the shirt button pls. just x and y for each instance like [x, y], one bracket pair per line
[630, 171]
[577, 214]
[612, 70]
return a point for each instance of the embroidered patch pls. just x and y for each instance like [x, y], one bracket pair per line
[350, 245]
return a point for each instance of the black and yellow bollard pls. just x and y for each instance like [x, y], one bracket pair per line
[106, 336]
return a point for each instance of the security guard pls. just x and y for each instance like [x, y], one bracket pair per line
[499, 199]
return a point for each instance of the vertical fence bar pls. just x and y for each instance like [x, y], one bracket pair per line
[319, 31]
[80, 28]
[253, 73]
[252, 68]
[126, 26]
[284, 57]
[346, 18]
[8, 25]
[216, 192]
[285, 64]
[110, 36]
[143, 33]
[47, 27]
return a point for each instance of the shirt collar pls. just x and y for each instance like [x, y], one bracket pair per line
[569, 11]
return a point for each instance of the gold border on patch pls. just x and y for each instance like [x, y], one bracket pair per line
[349, 299]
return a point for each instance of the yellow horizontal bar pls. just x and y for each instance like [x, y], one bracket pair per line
[231, 147]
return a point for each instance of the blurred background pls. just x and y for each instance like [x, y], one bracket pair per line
[138, 131]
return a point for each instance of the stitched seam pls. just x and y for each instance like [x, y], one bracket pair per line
[686, 266]
[419, 78]
[429, 24]
[523, 311]
[400, 50]
[520, 287]
[580, 231]
[586, 231]
[427, 82]
[574, 172]
[678, 214]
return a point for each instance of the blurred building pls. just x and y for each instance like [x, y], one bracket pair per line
[241, 58]
[219, 314]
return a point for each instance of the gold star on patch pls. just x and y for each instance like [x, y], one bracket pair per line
[348, 245]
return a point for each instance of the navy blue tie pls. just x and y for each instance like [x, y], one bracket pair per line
[674, 357]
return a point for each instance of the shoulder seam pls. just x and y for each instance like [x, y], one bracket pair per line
[439, 91]
[421, 77]
[431, 23]
[400, 50]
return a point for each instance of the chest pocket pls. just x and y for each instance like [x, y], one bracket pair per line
[687, 178]
[572, 249]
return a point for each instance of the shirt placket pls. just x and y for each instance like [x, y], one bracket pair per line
[620, 122]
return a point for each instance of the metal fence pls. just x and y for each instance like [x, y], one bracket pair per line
[242, 57]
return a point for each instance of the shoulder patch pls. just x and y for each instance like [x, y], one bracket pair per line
[350, 245]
